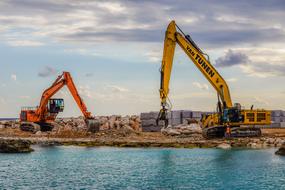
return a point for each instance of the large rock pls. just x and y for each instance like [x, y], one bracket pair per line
[281, 150]
[185, 130]
[15, 146]
[224, 146]
[255, 145]
[170, 131]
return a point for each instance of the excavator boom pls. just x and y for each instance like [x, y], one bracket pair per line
[197, 56]
[44, 115]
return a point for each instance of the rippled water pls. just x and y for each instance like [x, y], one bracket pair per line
[138, 168]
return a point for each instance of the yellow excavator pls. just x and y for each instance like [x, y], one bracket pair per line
[229, 120]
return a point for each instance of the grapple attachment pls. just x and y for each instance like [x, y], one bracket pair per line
[162, 118]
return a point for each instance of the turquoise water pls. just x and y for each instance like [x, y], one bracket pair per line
[138, 168]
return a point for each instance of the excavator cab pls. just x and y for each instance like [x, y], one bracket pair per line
[55, 105]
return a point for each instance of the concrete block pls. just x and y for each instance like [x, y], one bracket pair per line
[148, 122]
[176, 121]
[149, 115]
[277, 113]
[275, 125]
[185, 121]
[276, 119]
[196, 114]
[151, 129]
[144, 116]
[282, 124]
[282, 119]
[176, 114]
[186, 114]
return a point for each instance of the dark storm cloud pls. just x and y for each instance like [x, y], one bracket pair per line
[213, 24]
[232, 58]
[261, 69]
[121, 35]
[109, 22]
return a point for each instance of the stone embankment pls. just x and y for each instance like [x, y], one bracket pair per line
[126, 132]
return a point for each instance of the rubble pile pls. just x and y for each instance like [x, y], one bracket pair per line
[76, 126]
[9, 124]
[105, 122]
[183, 130]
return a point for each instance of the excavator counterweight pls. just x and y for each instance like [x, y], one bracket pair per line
[43, 116]
[228, 118]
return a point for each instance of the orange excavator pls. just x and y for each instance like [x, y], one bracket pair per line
[43, 116]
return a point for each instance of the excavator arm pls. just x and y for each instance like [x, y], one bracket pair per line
[76, 96]
[172, 36]
[64, 79]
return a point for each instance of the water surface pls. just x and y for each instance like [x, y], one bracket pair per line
[139, 168]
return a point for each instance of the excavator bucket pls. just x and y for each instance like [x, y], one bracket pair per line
[93, 125]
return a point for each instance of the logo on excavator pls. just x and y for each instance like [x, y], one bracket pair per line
[201, 62]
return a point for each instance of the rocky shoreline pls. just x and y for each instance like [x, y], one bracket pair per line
[126, 131]
[148, 142]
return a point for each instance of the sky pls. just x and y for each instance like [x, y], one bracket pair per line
[113, 50]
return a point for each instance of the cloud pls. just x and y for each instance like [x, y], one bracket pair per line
[86, 91]
[232, 58]
[154, 56]
[112, 7]
[24, 43]
[117, 89]
[225, 23]
[257, 64]
[47, 71]
[2, 100]
[89, 74]
[260, 101]
[14, 77]
[81, 51]
[231, 79]
[201, 86]
[263, 70]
